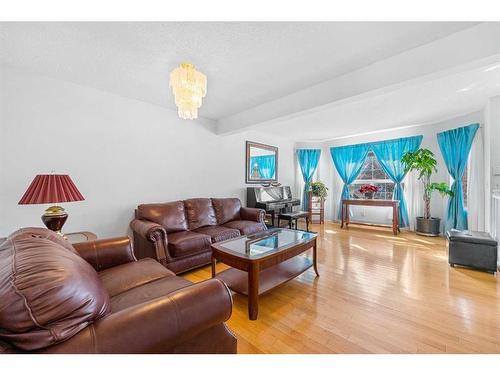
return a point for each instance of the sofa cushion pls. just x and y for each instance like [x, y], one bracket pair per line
[246, 226]
[147, 292]
[226, 209]
[218, 233]
[130, 275]
[187, 243]
[200, 212]
[170, 216]
[47, 293]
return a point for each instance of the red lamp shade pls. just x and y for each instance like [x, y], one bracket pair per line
[51, 188]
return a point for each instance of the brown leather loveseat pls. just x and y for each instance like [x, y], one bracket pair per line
[179, 234]
[95, 297]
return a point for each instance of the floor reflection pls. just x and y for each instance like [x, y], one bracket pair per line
[376, 293]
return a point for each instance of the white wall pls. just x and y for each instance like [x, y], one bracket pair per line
[375, 214]
[491, 154]
[119, 152]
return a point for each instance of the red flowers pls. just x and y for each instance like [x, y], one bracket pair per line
[368, 189]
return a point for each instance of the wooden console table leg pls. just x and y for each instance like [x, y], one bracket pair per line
[397, 219]
[315, 256]
[394, 220]
[346, 215]
[343, 215]
[253, 291]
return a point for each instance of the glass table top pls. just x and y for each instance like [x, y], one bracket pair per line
[264, 243]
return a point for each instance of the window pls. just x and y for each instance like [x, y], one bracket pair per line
[372, 173]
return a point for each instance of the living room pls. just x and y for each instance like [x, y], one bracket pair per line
[206, 188]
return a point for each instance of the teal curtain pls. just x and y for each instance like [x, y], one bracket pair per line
[389, 154]
[266, 165]
[348, 160]
[455, 146]
[308, 161]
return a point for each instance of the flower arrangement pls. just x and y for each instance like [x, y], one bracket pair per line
[368, 189]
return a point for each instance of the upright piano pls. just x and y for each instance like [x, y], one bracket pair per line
[273, 199]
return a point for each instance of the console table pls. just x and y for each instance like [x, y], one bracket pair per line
[371, 202]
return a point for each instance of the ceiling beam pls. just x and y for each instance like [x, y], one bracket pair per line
[458, 49]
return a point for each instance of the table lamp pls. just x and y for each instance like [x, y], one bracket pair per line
[52, 188]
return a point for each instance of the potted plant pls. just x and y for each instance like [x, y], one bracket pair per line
[424, 163]
[368, 190]
[318, 189]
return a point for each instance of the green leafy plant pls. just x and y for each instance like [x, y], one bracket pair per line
[318, 189]
[423, 162]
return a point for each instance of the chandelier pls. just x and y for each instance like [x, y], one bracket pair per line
[189, 87]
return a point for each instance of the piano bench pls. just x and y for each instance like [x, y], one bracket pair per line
[294, 216]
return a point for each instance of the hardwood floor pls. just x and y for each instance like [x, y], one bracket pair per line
[377, 293]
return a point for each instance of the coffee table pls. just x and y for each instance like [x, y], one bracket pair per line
[263, 261]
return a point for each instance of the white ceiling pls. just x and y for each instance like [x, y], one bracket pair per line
[422, 102]
[247, 64]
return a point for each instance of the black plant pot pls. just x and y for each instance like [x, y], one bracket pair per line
[428, 227]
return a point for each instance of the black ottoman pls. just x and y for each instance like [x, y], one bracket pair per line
[472, 249]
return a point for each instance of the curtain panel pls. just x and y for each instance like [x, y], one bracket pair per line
[308, 162]
[266, 165]
[348, 161]
[389, 154]
[455, 146]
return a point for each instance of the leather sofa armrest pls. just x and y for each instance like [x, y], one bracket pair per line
[253, 214]
[147, 229]
[156, 235]
[106, 253]
[160, 324]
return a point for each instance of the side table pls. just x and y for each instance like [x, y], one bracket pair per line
[83, 236]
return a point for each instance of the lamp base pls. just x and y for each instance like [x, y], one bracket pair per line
[54, 219]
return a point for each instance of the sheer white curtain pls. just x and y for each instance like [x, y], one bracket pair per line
[414, 198]
[335, 193]
[475, 184]
[299, 181]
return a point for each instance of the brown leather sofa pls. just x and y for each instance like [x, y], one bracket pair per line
[95, 297]
[179, 234]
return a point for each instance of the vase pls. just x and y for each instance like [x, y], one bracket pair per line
[369, 195]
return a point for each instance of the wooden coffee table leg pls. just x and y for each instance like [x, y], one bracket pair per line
[315, 256]
[253, 291]
[214, 261]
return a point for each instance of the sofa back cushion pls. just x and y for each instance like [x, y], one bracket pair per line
[48, 293]
[200, 212]
[226, 209]
[170, 216]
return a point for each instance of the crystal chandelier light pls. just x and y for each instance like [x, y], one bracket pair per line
[189, 87]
